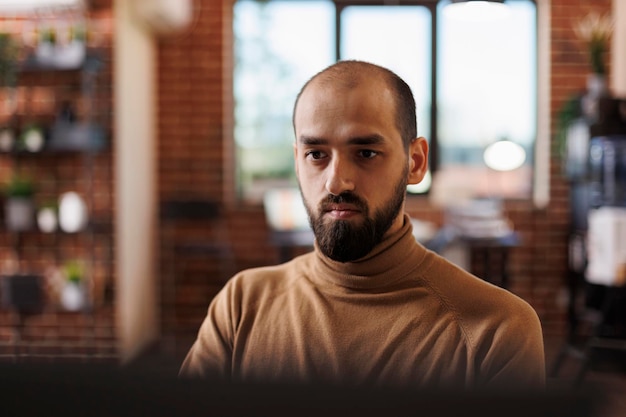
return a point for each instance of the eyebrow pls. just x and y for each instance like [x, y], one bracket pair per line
[374, 139]
[310, 140]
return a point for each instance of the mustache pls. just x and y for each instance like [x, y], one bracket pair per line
[343, 198]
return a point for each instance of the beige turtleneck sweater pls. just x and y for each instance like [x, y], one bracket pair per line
[401, 316]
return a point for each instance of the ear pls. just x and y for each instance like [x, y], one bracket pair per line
[418, 160]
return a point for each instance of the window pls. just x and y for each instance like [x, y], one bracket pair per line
[278, 46]
[485, 84]
[372, 33]
[486, 92]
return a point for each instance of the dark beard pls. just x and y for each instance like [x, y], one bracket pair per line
[342, 241]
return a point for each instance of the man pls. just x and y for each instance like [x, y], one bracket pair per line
[369, 305]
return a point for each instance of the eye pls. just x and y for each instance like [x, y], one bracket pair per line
[367, 153]
[314, 155]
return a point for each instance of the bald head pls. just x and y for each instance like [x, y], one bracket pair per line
[347, 75]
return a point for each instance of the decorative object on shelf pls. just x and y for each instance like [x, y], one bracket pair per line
[46, 46]
[7, 139]
[76, 137]
[47, 219]
[68, 134]
[72, 212]
[19, 207]
[61, 44]
[32, 138]
[9, 52]
[9, 55]
[569, 113]
[23, 293]
[576, 152]
[596, 89]
[73, 294]
[594, 31]
[607, 246]
[71, 54]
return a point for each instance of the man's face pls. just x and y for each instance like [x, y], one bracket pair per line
[344, 240]
[351, 165]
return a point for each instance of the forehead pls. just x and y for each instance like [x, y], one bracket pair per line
[365, 100]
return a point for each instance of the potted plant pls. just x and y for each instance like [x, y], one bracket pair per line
[8, 78]
[72, 53]
[569, 121]
[19, 206]
[8, 60]
[46, 46]
[594, 32]
[73, 297]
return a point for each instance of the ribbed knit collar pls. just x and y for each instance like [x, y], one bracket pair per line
[390, 262]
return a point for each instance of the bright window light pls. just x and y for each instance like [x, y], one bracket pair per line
[504, 155]
[486, 83]
[476, 11]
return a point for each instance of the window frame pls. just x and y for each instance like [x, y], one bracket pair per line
[431, 5]
[540, 194]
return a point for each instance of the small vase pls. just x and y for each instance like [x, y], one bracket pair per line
[597, 88]
[47, 219]
[597, 85]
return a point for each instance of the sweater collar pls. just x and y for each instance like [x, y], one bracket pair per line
[385, 265]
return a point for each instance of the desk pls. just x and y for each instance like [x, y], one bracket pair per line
[489, 256]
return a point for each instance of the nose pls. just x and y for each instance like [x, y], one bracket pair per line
[340, 177]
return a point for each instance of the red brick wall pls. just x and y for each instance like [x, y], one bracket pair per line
[196, 160]
[56, 333]
[195, 117]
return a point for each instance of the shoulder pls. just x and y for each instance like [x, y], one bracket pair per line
[478, 304]
[502, 331]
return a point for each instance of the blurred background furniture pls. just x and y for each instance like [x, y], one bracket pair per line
[596, 168]
[198, 259]
[23, 295]
[477, 237]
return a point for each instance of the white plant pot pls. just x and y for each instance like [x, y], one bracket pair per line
[71, 55]
[596, 88]
[73, 297]
[597, 85]
[45, 53]
[19, 213]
